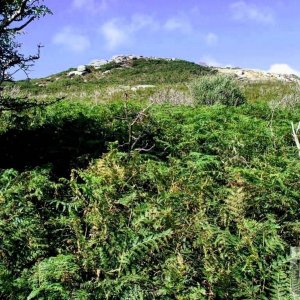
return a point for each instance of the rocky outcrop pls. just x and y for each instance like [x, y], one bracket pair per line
[122, 60]
[257, 75]
[81, 70]
[97, 63]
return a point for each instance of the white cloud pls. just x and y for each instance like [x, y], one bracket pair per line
[211, 39]
[243, 11]
[75, 42]
[139, 22]
[178, 24]
[92, 6]
[118, 32]
[114, 35]
[283, 69]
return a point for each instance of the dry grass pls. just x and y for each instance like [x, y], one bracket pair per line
[172, 96]
[288, 101]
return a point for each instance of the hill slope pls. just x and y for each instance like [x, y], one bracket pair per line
[141, 77]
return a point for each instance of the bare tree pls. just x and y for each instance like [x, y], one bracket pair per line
[15, 15]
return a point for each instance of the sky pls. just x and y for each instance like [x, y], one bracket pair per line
[254, 34]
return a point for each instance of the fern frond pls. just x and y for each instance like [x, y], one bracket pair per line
[145, 247]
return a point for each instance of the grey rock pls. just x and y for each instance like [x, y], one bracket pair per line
[119, 58]
[75, 73]
[82, 68]
[256, 75]
[97, 63]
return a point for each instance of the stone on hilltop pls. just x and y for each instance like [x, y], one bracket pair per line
[119, 58]
[81, 68]
[74, 73]
[257, 75]
[97, 63]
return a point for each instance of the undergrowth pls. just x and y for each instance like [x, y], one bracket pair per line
[208, 210]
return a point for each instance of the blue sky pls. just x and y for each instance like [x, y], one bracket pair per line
[248, 33]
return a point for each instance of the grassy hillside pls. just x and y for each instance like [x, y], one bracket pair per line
[137, 72]
[112, 80]
[107, 196]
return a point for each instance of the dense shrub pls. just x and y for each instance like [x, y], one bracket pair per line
[210, 212]
[218, 89]
[127, 200]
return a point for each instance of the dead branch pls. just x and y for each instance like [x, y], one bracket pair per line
[295, 132]
[133, 140]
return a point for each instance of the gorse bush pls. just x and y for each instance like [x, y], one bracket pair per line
[217, 89]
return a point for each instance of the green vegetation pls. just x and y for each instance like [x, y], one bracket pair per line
[129, 199]
[154, 71]
[140, 71]
[218, 89]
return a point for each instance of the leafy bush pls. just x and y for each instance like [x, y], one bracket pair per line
[209, 213]
[218, 89]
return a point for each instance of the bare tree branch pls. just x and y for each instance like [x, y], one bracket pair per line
[15, 15]
[133, 139]
[295, 132]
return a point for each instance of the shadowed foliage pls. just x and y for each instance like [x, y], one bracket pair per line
[208, 213]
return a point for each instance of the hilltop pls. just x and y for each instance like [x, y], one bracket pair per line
[136, 69]
[129, 61]
[142, 77]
